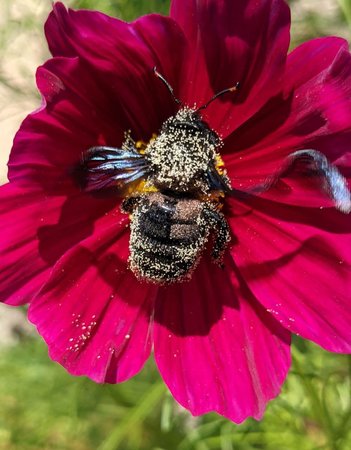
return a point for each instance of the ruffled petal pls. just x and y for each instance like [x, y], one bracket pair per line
[122, 57]
[296, 261]
[93, 314]
[314, 112]
[245, 41]
[37, 230]
[77, 113]
[216, 347]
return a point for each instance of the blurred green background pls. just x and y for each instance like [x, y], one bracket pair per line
[42, 407]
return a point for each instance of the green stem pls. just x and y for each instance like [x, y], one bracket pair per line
[345, 422]
[127, 426]
[345, 6]
[319, 411]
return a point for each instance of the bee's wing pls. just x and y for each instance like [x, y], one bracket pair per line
[318, 165]
[216, 181]
[106, 167]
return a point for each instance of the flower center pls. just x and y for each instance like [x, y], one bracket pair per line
[147, 185]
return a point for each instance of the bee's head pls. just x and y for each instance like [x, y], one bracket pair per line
[183, 152]
[182, 157]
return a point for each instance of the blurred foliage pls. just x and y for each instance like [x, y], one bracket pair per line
[18, 26]
[345, 6]
[21, 22]
[316, 18]
[124, 9]
[43, 407]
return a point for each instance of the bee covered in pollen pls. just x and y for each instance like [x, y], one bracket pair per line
[173, 189]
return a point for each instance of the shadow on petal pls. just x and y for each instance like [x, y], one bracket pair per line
[75, 224]
[267, 268]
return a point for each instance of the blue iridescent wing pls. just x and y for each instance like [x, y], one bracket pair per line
[313, 164]
[107, 167]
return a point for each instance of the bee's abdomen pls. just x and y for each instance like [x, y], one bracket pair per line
[165, 245]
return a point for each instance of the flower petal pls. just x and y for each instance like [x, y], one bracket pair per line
[77, 114]
[22, 270]
[37, 229]
[216, 347]
[245, 41]
[296, 261]
[314, 112]
[122, 56]
[102, 325]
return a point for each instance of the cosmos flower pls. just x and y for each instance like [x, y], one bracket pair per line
[221, 340]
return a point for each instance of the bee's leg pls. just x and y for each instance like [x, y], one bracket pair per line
[218, 223]
[129, 204]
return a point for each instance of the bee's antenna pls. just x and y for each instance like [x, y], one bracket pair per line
[231, 89]
[169, 87]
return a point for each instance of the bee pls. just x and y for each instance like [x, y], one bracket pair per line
[178, 209]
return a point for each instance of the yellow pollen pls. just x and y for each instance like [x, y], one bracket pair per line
[141, 186]
[145, 187]
[219, 164]
[217, 197]
[141, 145]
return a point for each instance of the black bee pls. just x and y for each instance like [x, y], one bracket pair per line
[178, 208]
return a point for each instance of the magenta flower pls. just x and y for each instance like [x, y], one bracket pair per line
[221, 341]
